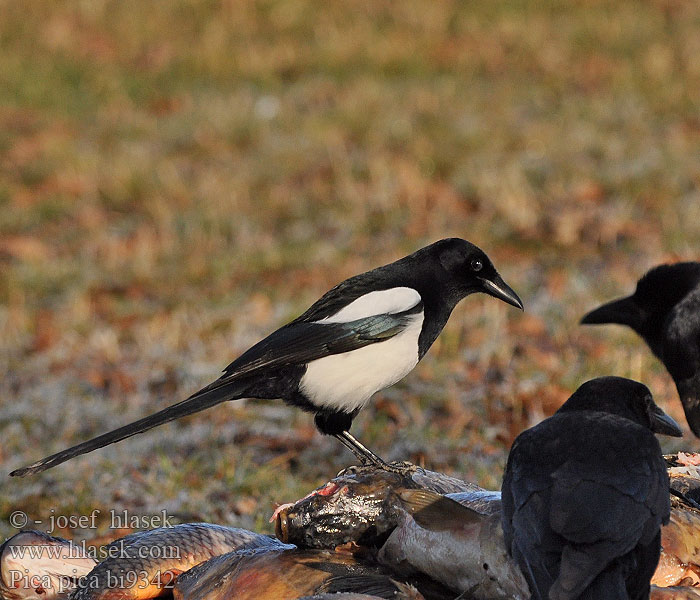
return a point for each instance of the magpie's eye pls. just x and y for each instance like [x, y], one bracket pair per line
[477, 265]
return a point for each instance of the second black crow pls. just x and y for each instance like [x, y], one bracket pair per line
[665, 311]
[365, 334]
[585, 493]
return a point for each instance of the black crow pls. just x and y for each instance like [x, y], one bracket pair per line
[665, 311]
[585, 493]
[362, 336]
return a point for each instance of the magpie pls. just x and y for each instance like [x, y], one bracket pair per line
[585, 493]
[665, 311]
[362, 336]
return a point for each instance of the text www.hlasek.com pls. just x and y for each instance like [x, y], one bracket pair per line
[82, 550]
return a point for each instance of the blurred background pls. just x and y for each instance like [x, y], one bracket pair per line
[179, 178]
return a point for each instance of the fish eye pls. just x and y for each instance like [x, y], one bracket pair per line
[477, 264]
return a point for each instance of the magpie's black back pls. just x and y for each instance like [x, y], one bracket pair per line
[360, 337]
[585, 493]
[665, 311]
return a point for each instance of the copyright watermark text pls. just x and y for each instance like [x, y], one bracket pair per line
[117, 520]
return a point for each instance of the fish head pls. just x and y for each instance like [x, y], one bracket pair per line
[358, 506]
[36, 565]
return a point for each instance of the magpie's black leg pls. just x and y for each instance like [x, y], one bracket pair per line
[369, 458]
[363, 454]
[337, 423]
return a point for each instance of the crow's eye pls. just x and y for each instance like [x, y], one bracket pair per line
[477, 265]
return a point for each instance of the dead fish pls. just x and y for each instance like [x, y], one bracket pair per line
[448, 539]
[146, 564]
[680, 543]
[287, 574]
[450, 542]
[34, 565]
[356, 506]
[674, 593]
[684, 473]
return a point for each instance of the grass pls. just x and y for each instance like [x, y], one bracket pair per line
[177, 179]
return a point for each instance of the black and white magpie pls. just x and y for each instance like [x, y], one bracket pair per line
[665, 311]
[360, 337]
[585, 493]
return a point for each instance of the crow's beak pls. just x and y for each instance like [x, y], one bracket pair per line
[663, 424]
[498, 288]
[622, 311]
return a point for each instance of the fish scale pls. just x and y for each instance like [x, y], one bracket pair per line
[143, 564]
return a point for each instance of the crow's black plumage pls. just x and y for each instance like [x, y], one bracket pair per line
[585, 493]
[362, 336]
[665, 311]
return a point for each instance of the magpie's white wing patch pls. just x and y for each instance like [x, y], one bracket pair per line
[381, 302]
[346, 381]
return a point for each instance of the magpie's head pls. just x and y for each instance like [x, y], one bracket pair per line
[646, 310]
[625, 398]
[469, 270]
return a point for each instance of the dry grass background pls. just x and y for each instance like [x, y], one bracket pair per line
[179, 178]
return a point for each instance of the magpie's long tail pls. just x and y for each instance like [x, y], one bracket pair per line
[219, 391]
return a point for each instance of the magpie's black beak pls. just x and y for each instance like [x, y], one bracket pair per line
[498, 288]
[622, 311]
[663, 424]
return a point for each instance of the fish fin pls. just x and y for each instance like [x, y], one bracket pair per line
[436, 512]
[376, 584]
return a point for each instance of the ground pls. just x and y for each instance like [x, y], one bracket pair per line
[178, 179]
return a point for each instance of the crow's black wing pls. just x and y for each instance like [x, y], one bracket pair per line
[681, 355]
[525, 502]
[534, 546]
[681, 338]
[507, 499]
[604, 505]
[689, 392]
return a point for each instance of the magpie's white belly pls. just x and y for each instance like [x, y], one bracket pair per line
[347, 381]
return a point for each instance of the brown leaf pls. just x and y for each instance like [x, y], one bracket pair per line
[24, 247]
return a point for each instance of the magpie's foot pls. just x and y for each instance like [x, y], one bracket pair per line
[403, 468]
[369, 459]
